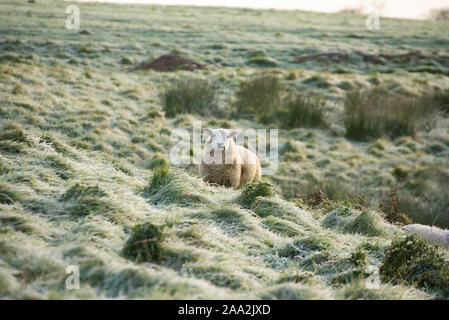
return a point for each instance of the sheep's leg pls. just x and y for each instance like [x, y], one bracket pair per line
[234, 181]
[247, 175]
[258, 176]
[233, 177]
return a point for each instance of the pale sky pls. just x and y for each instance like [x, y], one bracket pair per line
[414, 9]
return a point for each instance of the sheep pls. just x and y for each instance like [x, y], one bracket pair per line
[225, 163]
[432, 234]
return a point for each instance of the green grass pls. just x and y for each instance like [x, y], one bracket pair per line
[376, 113]
[414, 261]
[187, 95]
[259, 98]
[254, 190]
[85, 147]
[301, 111]
[144, 244]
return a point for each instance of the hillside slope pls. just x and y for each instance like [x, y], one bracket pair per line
[81, 139]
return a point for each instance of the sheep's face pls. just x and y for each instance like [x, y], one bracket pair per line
[220, 139]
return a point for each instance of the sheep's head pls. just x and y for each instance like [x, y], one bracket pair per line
[221, 139]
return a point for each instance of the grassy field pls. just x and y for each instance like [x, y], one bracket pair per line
[84, 145]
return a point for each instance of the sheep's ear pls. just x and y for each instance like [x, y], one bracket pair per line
[233, 134]
[209, 131]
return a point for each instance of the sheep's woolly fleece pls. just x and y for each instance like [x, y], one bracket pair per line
[244, 166]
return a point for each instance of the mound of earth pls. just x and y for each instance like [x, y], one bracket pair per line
[170, 62]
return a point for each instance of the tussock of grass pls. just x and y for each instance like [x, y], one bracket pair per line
[11, 147]
[275, 207]
[303, 111]
[318, 81]
[228, 215]
[414, 261]
[254, 190]
[367, 222]
[315, 242]
[189, 95]
[374, 113]
[7, 194]
[16, 223]
[259, 98]
[283, 227]
[169, 186]
[144, 244]
[63, 169]
[158, 161]
[51, 140]
[439, 98]
[13, 133]
[81, 200]
[264, 61]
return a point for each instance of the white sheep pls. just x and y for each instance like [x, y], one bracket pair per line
[432, 234]
[225, 163]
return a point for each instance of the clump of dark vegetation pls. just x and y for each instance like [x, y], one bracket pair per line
[228, 215]
[373, 113]
[161, 177]
[158, 161]
[400, 173]
[125, 60]
[15, 134]
[303, 111]
[79, 190]
[13, 139]
[391, 206]
[263, 60]
[265, 99]
[316, 198]
[144, 244]
[317, 81]
[414, 261]
[47, 138]
[259, 98]
[359, 258]
[8, 147]
[63, 169]
[440, 98]
[254, 190]
[167, 187]
[14, 223]
[82, 200]
[170, 62]
[7, 194]
[189, 95]
[327, 192]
